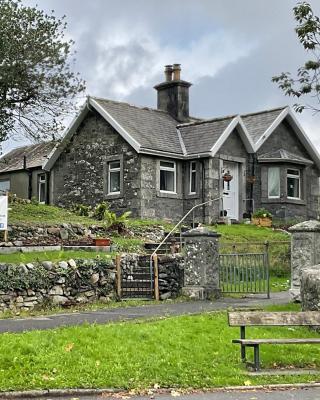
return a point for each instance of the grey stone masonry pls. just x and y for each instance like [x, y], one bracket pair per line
[305, 252]
[310, 288]
[201, 274]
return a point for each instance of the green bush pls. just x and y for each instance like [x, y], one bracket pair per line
[81, 209]
[262, 213]
[100, 210]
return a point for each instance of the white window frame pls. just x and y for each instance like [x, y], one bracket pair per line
[110, 171]
[42, 180]
[274, 197]
[174, 170]
[4, 192]
[192, 170]
[298, 177]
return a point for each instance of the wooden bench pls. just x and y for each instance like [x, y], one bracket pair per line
[257, 318]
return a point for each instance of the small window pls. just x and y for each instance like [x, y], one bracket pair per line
[168, 176]
[114, 177]
[293, 184]
[42, 188]
[4, 187]
[273, 182]
[193, 177]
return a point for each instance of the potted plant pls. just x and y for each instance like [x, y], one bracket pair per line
[262, 217]
[101, 241]
[227, 177]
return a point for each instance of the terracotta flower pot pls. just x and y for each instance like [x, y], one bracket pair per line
[262, 221]
[102, 241]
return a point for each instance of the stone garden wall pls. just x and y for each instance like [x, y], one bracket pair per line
[310, 288]
[68, 234]
[45, 284]
[37, 285]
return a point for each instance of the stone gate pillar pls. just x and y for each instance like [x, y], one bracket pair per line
[305, 252]
[201, 270]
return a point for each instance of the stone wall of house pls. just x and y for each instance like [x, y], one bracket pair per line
[37, 285]
[285, 138]
[80, 173]
[156, 204]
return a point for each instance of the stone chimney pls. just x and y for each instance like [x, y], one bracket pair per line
[173, 94]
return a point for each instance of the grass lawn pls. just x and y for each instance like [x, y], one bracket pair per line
[248, 233]
[186, 351]
[54, 256]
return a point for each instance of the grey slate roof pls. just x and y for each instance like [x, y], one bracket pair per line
[36, 156]
[258, 123]
[200, 137]
[283, 155]
[152, 129]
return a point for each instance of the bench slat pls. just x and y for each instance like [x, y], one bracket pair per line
[258, 318]
[277, 341]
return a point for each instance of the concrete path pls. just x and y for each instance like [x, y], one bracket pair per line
[104, 316]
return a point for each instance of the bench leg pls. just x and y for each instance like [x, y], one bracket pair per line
[256, 357]
[243, 348]
[243, 353]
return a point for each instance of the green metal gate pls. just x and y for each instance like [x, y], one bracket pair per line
[244, 273]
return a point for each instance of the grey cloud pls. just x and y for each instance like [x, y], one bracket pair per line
[243, 85]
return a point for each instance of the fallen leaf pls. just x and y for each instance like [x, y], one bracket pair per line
[69, 347]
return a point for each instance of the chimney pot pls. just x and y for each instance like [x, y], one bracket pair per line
[176, 72]
[168, 73]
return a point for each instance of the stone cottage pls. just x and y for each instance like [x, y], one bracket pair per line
[159, 163]
[21, 171]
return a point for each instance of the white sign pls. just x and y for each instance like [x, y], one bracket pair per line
[3, 213]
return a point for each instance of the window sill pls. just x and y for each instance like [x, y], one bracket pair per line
[169, 195]
[283, 200]
[111, 196]
[192, 196]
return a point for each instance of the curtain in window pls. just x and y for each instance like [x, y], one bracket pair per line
[273, 182]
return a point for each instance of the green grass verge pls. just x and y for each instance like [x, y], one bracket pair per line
[248, 233]
[44, 214]
[54, 256]
[186, 351]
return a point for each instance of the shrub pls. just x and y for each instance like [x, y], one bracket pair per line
[100, 210]
[81, 209]
[262, 213]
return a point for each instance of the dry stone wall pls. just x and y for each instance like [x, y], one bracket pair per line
[36, 285]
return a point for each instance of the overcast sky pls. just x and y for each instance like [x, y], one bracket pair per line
[228, 49]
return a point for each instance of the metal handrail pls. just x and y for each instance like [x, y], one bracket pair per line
[173, 229]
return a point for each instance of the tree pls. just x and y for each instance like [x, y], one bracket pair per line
[37, 84]
[307, 80]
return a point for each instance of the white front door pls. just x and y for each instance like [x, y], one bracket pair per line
[231, 190]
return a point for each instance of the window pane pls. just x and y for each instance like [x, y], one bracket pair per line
[42, 192]
[4, 187]
[293, 187]
[167, 181]
[114, 182]
[166, 164]
[274, 182]
[193, 182]
[193, 165]
[114, 164]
